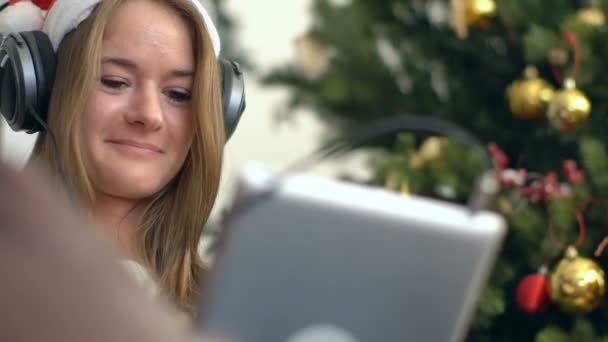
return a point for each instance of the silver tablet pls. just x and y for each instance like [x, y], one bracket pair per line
[315, 259]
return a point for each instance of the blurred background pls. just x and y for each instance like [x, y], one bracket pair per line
[265, 34]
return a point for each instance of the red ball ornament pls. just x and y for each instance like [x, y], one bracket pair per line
[533, 293]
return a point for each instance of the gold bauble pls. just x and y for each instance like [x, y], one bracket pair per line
[398, 183]
[312, 58]
[431, 147]
[458, 17]
[592, 16]
[480, 12]
[471, 13]
[428, 151]
[577, 284]
[569, 108]
[558, 56]
[528, 97]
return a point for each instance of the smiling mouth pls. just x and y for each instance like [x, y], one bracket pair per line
[136, 147]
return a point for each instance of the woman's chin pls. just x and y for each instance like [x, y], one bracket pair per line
[133, 189]
[134, 181]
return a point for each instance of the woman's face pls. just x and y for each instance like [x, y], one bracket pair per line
[137, 126]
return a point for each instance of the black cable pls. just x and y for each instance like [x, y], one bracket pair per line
[58, 162]
[391, 126]
[483, 195]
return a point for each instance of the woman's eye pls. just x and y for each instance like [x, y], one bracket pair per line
[178, 96]
[113, 84]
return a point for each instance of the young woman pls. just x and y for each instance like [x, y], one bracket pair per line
[136, 112]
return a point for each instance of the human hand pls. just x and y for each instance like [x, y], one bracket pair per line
[60, 281]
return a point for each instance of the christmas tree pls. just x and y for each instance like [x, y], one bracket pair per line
[526, 78]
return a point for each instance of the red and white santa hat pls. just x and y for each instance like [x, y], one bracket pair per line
[58, 17]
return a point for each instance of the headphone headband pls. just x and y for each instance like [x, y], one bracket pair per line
[57, 18]
[27, 62]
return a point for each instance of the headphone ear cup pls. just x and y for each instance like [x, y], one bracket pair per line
[18, 89]
[45, 64]
[233, 95]
[8, 81]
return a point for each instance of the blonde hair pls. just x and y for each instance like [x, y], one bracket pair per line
[173, 220]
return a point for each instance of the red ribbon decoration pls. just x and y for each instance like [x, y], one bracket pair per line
[574, 174]
[540, 190]
[582, 230]
[573, 41]
[502, 161]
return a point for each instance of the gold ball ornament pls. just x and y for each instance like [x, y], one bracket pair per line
[591, 16]
[558, 56]
[529, 97]
[577, 284]
[569, 108]
[312, 58]
[479, 13]
[429, 150]
[471, 13]
[397, 183]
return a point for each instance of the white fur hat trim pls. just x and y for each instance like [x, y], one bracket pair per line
[65, 15]
[22, 16]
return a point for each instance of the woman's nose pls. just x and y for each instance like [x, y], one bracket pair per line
[146, 110]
